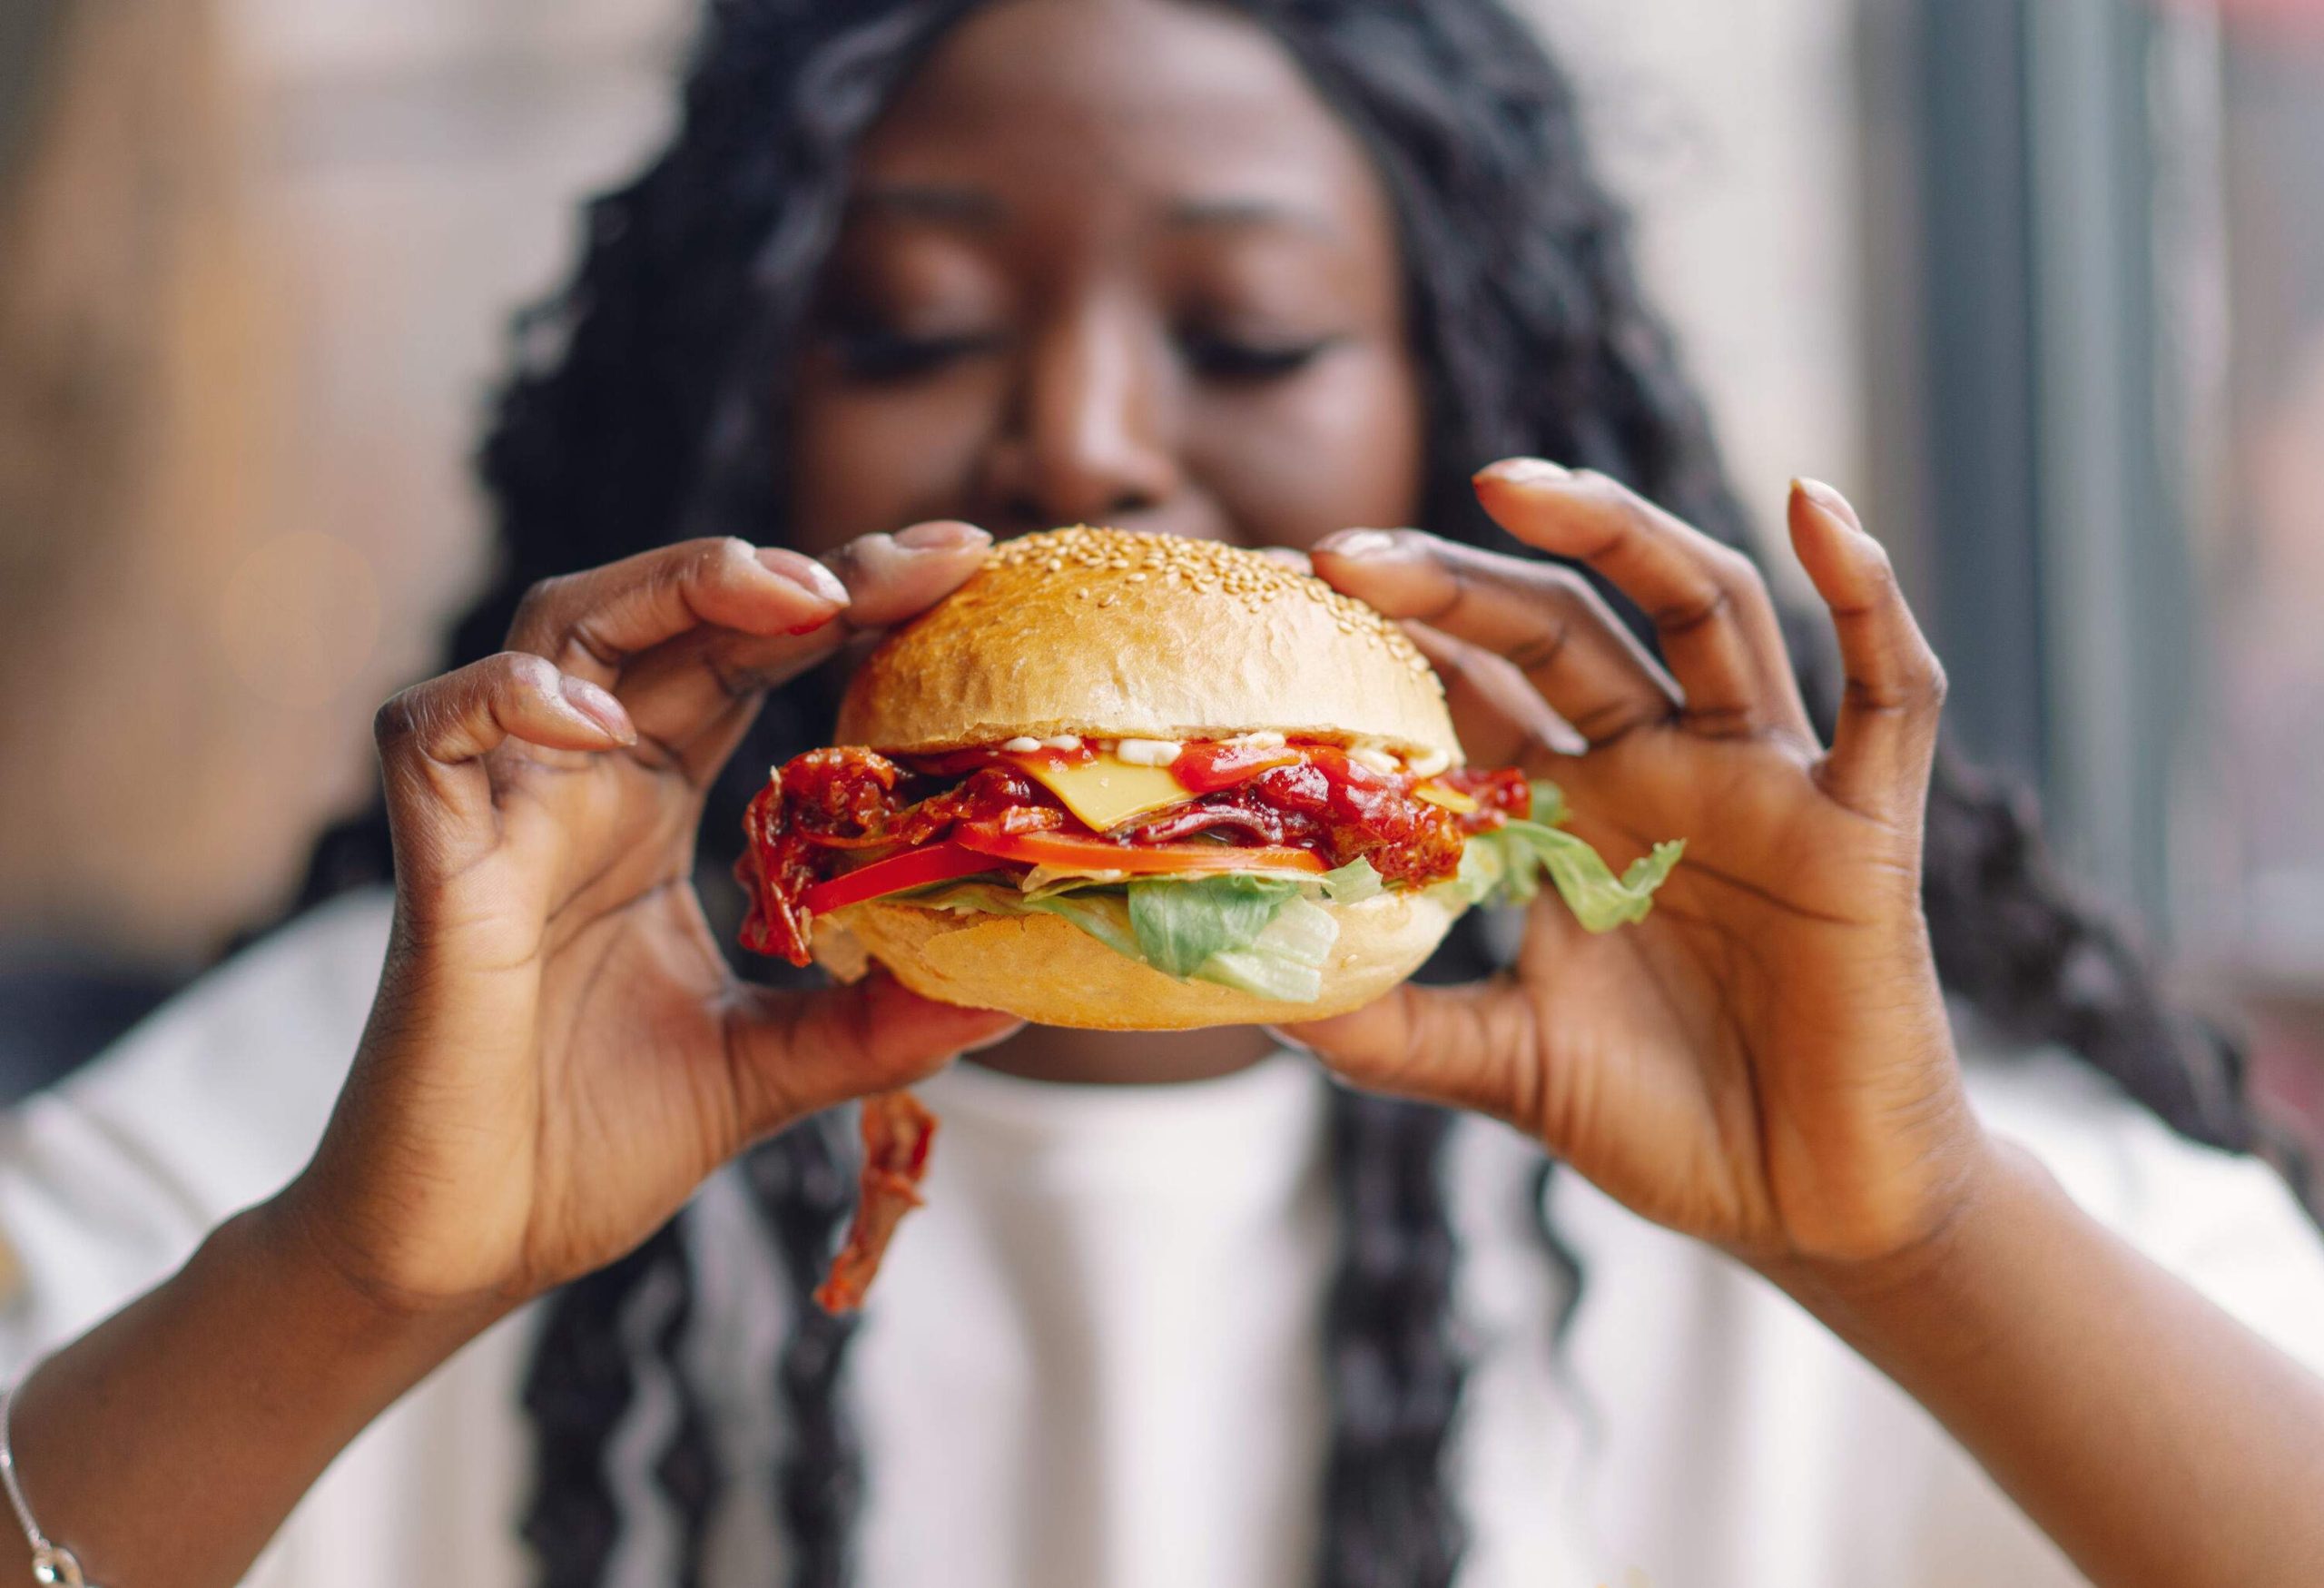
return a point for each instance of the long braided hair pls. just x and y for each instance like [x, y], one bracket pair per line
[637, 413]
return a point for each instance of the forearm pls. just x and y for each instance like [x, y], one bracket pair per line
[167, 1444]
[2154, 1437]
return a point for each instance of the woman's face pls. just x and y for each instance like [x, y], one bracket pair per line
[1109, 262]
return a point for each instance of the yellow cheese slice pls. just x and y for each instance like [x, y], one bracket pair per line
[1106, 793]
[1452, 799]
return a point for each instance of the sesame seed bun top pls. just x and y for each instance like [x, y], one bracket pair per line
[1118, 635]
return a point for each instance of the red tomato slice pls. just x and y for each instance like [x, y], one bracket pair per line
[1089, 854]
[933, 863]
[1207, 766]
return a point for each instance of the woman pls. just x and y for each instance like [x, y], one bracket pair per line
[1264, 272]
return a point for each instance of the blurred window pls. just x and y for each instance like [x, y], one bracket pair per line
[2102, 410]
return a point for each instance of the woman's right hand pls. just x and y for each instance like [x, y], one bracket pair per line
[558, 1053]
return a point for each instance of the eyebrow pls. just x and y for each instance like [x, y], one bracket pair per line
[974, 210]
[949, 206]
[1195, 215]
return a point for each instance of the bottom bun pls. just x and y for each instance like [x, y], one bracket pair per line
[1051, 972]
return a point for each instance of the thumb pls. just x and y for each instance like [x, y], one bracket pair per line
[1467, 1047]
[791, 1054]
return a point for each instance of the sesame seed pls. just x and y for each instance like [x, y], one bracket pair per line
[1093, 558]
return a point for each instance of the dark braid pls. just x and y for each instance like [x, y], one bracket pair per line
[687, 1472]
[2040, 963]
[1394, 1372]
[637, 415]
[581, 1385]
[803, 1187]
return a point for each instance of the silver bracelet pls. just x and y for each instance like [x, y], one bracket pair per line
[53, 1564]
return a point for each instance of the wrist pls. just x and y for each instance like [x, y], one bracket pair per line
[235, 1381]
[1926, 1293]
[312, 1269]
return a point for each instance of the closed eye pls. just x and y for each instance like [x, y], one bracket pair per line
[1232, 359]
[876, 354]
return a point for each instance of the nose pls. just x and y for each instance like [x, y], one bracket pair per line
[1086, 439]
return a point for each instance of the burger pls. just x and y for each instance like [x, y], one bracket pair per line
[1130, 782]
[1134, 781]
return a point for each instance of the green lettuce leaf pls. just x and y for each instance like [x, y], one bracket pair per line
[1285, 961]
[1259, 934]
[1352, 883]
[1548, 803]
[1182, 923]
[1101, 913]
[1598, 899]
[1484, 868]
[1507, 866]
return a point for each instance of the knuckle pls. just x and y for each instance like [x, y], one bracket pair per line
[1561, 581]
[718, 556]
[396, 719]
[1695, 610]
[1732, 567]
[523, 671]
[1630, 513]
[542, 596]
[1538, 650]
[1935, 685]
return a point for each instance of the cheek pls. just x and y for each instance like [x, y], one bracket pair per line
[1341, 447]
[873, 461]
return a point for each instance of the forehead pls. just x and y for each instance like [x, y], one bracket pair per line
[1123, 107]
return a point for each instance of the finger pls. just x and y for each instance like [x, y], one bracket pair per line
[1894, 698]
[1710, 609]
[434, 736]
[795, 1053]
[1469, 1046]
[1500, 718]
[590, 623]
[1545, 620]
[693, 697]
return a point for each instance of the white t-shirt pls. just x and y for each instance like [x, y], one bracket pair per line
[1092, 1360]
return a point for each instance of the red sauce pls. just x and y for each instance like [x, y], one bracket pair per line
[955, 763]
[820, 808]
[896, 1134]
[829, 808]
[815, 805]
[1499, 795]
[1209, 765]
[1329, 803]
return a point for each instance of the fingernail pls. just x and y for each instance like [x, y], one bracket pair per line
[1277, 1034]
[807, 574]
[1359, 543]
[942, 535]
[599, 707]
[1522, 472]
[1830, 500]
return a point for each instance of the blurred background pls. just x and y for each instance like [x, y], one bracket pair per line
[2039, 283]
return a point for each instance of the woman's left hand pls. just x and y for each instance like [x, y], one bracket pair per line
[1764, 1062]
